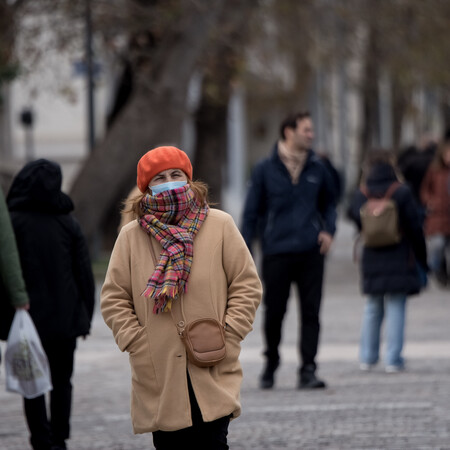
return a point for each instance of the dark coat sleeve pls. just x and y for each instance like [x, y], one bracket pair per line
[327, 202]
[411, 224]
[254, 207]
[10, 269]
[84, 277]
[357, 200]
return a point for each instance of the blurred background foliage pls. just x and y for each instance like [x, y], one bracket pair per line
[275, 50]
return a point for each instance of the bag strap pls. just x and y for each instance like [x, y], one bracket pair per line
[392, 188]
[388, 194]
[356, 248]
[177, 306]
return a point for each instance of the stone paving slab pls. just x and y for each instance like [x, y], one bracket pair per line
[358, 410]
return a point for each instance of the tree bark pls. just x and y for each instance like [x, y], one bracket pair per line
[369, 92]
[8, 66]
[152, 117]
[400, 104]
[222, 66]
[211, 146]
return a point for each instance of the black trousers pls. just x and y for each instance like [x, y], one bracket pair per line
[201, 436]
[45, 431]
[279, 272]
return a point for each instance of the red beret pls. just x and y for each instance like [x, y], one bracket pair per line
[159, 159]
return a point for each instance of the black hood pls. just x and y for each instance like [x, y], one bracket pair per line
[37, 187]
[380, 177]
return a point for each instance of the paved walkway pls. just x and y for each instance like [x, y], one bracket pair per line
[358, 411]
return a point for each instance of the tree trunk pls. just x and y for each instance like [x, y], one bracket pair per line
[8, 67]
[400, 104]
[222, 66]
[211, 146]
[445, 107]
[152, 117]
[369, 97]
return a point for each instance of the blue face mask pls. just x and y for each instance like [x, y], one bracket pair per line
[167, 186]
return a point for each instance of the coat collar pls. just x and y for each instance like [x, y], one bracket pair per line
[276, 158]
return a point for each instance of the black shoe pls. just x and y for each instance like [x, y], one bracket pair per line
[59, 445]
[308, 379]
[441, 278]
[267, 378]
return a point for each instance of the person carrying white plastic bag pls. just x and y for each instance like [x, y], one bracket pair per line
[26, 364]
[57, 270]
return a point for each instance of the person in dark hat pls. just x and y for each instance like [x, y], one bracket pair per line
[59, 279]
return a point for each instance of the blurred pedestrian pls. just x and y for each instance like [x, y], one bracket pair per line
[59, 279]
[13, 293]
[413, 163]
[435, 195]
[180, 255]
[335, 175]
[291, 207]
[390, 273]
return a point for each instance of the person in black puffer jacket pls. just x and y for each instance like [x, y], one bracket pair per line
[59, 279]
[389, 274]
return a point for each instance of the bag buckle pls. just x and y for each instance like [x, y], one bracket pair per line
[181, 326]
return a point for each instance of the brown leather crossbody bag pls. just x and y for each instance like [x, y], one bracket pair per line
[204, 340]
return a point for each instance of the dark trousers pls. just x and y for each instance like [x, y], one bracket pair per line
[46, 432]
[279, 272]
[201, 436]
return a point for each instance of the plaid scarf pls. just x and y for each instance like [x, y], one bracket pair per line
[173, 218]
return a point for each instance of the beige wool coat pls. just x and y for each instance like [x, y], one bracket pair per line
[223, 283]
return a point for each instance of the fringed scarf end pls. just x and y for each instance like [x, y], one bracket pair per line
[165, 297]
[162, 304]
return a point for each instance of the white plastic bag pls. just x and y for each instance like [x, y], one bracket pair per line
[26, 365]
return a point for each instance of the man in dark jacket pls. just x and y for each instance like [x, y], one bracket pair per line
[291, 206]
[60, 283]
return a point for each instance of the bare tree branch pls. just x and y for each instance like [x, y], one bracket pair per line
[152, 117]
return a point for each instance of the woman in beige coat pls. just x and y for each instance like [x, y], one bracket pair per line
[179, 256]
